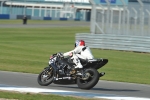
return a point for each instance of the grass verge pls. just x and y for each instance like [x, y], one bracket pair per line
[28, 50]
[5, 95]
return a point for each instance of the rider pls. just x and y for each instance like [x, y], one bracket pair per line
[80, 51]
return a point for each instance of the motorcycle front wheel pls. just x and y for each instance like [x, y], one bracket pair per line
[46, 77]
[90, 79]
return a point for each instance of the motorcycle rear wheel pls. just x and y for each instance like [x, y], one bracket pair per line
[91, 81]
[46, 77]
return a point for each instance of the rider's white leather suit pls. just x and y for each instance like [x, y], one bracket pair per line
[82, 52]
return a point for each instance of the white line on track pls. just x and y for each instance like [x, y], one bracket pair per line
[67, 93]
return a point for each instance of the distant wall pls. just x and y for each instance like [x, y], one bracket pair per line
[79, 17]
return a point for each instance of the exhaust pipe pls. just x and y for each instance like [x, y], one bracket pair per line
[101, 74]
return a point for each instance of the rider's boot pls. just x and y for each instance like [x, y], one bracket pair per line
[78, 66]
[79, 69]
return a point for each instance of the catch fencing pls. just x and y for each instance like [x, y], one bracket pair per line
[128, 20]
[125, 27]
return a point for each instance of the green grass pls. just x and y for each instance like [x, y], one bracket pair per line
[126, 66]
[29, 96]
[28, 50]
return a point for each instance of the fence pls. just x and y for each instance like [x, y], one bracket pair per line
[128, 20]
[124, 27]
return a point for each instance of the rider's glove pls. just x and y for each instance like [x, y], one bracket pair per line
[60, 55]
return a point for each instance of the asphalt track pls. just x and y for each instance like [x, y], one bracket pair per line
[103, 87]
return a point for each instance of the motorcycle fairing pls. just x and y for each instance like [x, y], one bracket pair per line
[94, 63]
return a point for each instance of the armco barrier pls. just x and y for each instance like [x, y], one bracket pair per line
[116, 42]
[47, 18]
[63, 19]
[4, 16]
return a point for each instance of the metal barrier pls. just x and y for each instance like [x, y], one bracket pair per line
[116, 42]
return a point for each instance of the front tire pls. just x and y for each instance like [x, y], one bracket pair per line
[46, 77]
[91, 81]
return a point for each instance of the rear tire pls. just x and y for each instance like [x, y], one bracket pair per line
[91, 81]
[46, 77]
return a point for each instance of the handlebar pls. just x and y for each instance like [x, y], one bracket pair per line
[59, 54]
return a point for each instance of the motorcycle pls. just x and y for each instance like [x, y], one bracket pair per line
[61, 71]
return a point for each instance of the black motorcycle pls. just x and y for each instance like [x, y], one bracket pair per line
[61, 71]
